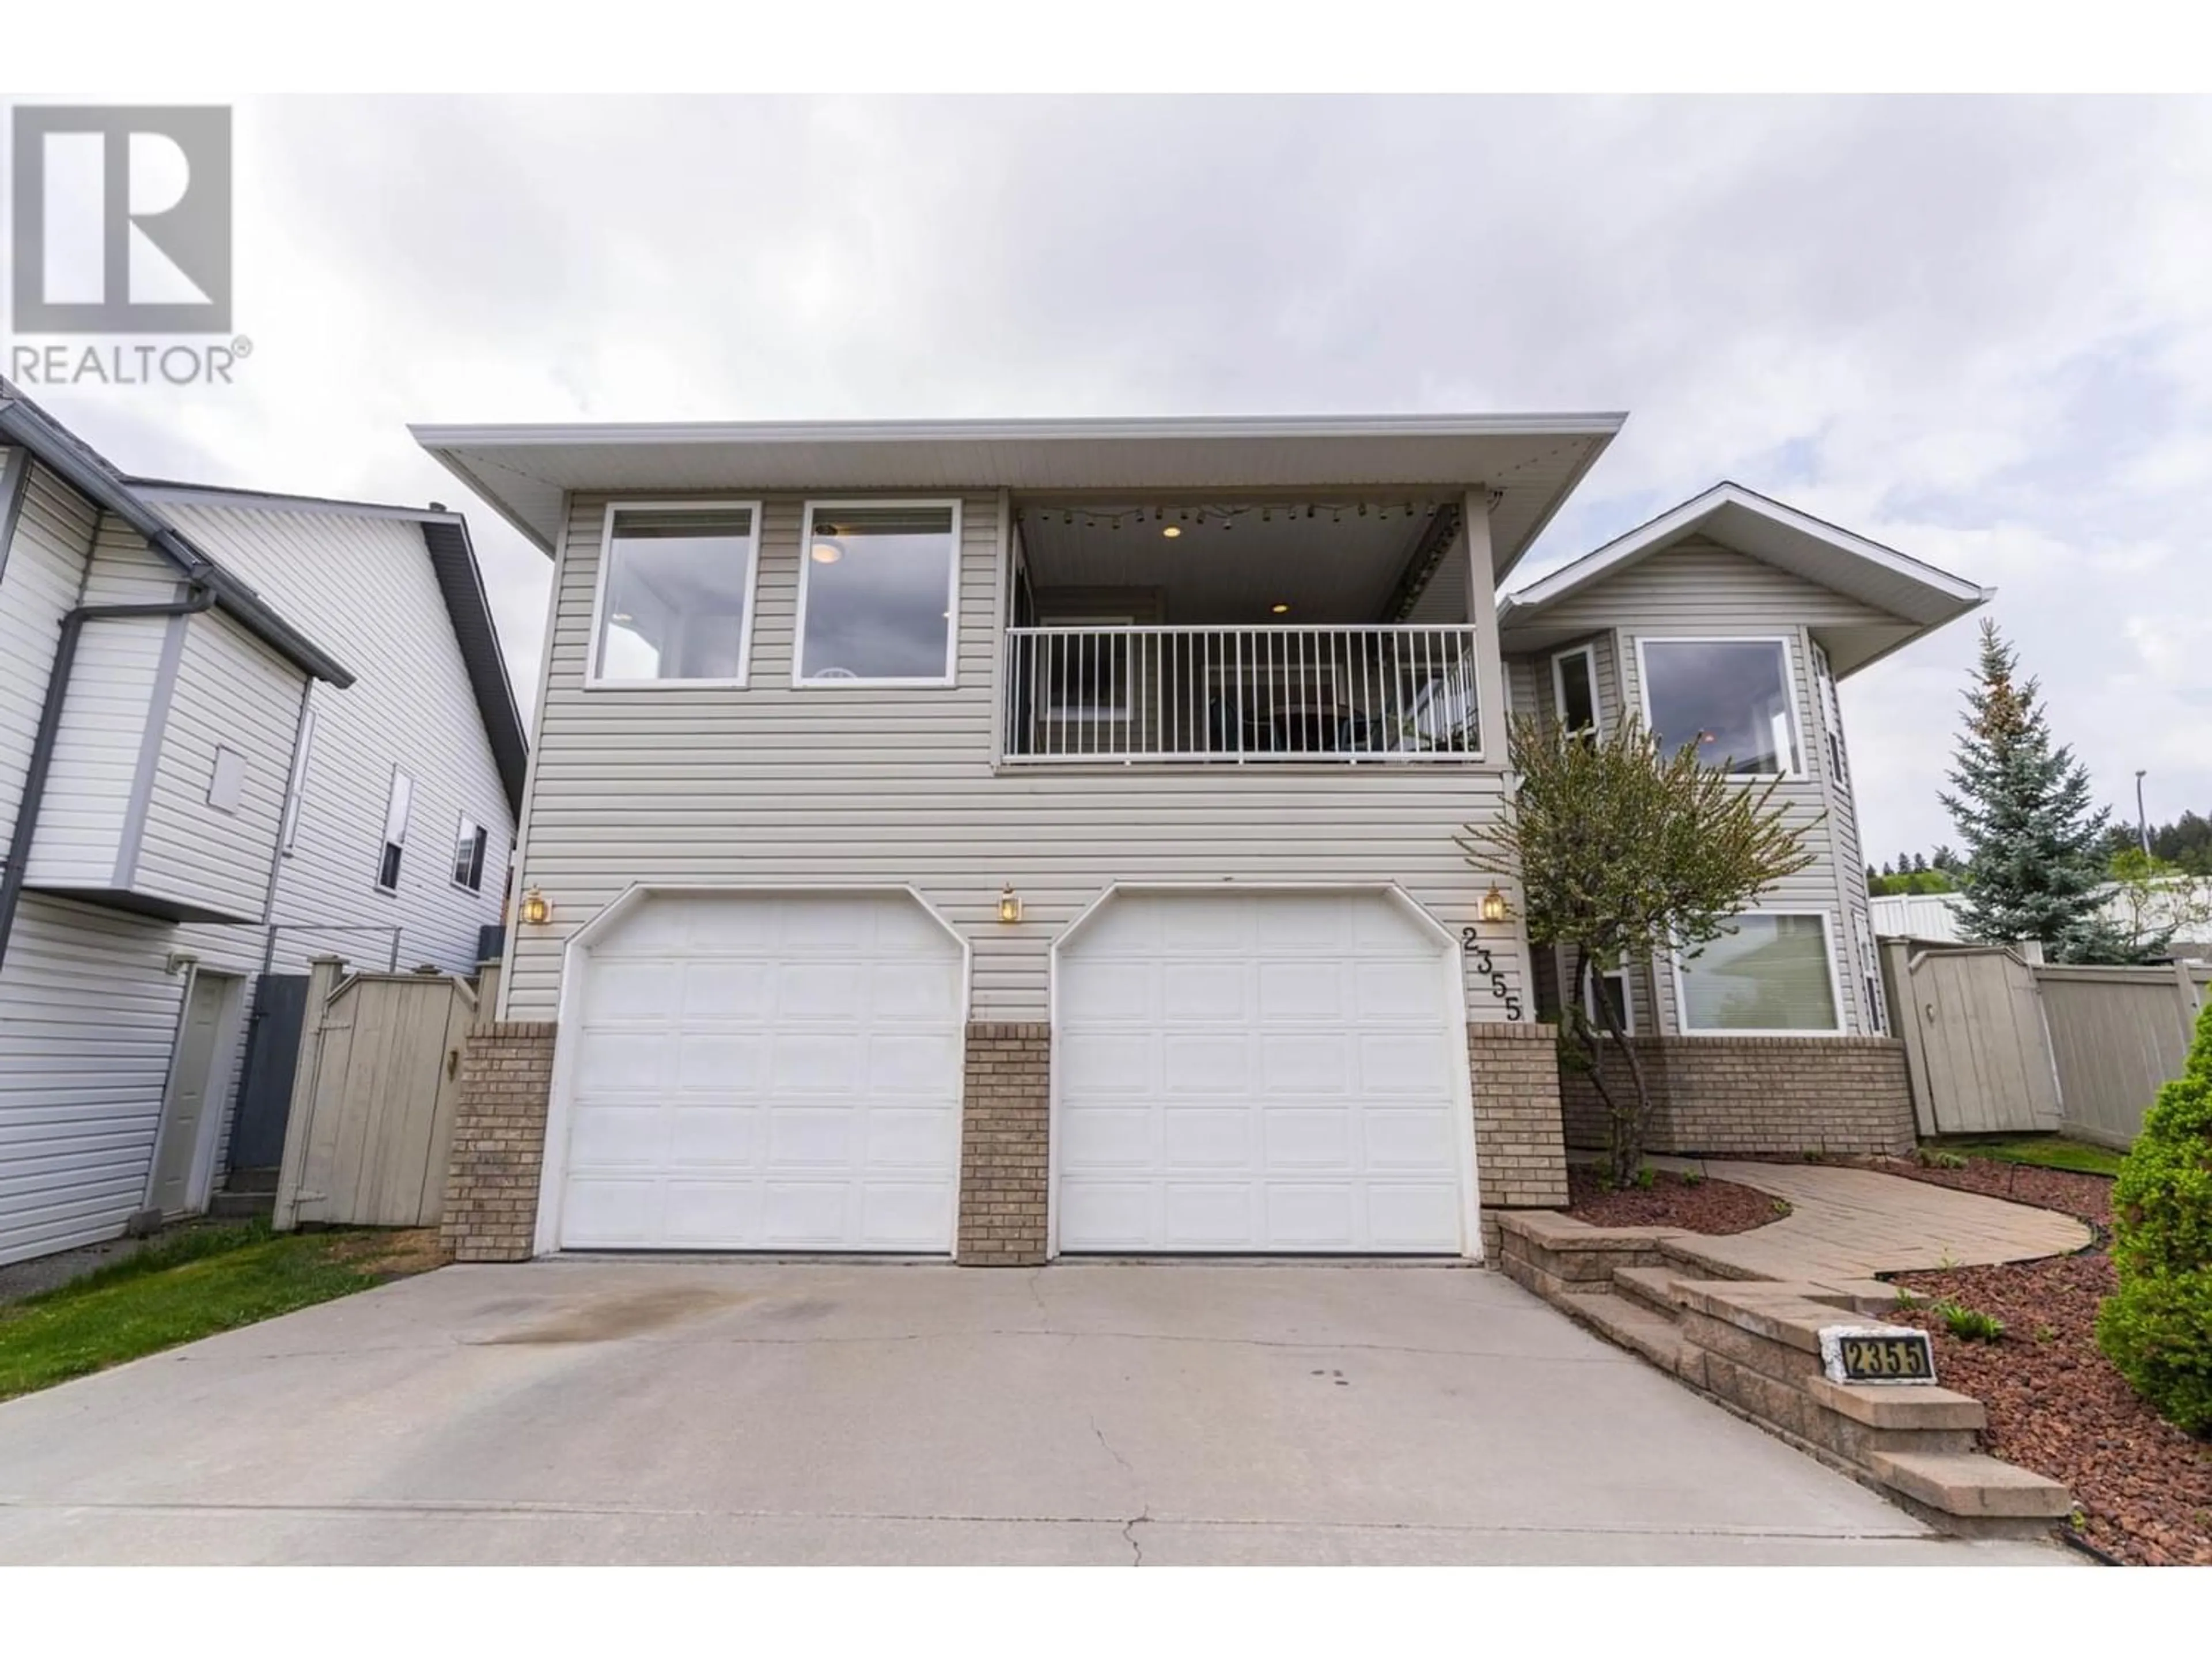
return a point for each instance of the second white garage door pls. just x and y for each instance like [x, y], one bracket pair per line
[764, 1072]
[1272, 1071]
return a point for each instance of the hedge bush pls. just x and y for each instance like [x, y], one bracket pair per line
[2158, 1330]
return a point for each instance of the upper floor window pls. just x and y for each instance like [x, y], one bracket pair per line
[675, 599]
[1731, 697]
[395, 830]
[469, 843]
[1773, 974]
[1574, 682]
[879, 590]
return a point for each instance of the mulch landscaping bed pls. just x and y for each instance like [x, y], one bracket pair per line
[1708, 1207]
[2055, 1405]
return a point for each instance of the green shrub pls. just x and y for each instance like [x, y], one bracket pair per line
[1968, 1324]
[2157, 1331]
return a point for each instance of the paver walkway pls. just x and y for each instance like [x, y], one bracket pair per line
[1853, 1224]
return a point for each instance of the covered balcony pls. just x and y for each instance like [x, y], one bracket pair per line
[1240, 633]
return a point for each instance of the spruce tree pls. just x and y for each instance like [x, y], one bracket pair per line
[2034, 859]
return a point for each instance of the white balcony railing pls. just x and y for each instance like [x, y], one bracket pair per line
[1238, 695]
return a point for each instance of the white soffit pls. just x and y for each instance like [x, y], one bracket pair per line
[1532, 461]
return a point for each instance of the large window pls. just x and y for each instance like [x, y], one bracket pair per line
[675, 595]
[878, 590]
[1772, 974]
[1729, 697]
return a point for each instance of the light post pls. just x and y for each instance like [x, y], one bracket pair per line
[2142, 824]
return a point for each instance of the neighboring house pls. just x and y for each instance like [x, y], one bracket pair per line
[202, 798]
[1009, 839]
[2183, 906]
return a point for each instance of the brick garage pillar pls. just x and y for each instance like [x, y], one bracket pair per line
[1005, 1123]
[499, 1142]
[1519, 1148]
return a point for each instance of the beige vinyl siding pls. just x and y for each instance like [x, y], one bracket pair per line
[232, 692]
[775, 784]
[88, 1019]
[1700, 589]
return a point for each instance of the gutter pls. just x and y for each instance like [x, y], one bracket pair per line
[200, 596]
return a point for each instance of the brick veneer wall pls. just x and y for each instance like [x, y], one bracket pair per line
[1520, 1152]
[1758, 1095]
[1004, 1124]
[499, 1142]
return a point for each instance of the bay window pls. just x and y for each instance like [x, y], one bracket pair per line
[1772, 974]
[1731, 698]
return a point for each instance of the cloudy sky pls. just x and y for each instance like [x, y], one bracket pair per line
[1978, 330]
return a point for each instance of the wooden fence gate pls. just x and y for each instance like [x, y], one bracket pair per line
[1998, 1045]
[372, 1115]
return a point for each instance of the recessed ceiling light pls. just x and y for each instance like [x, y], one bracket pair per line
[827, 552]
[1278, 609]
[1172, 530]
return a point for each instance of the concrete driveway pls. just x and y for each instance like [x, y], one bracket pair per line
[722, 1411]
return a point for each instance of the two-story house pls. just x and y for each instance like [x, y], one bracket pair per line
[236, 731]
[1005, 838]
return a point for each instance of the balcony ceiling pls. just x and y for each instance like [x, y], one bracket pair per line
[1337, 565]
[1531, 461]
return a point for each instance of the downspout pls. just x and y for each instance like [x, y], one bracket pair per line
[198, 597]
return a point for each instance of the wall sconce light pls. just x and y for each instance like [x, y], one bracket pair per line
[1494, 907]
[537, 909]
[1010, 904]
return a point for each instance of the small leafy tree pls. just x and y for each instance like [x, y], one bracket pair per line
[2151, 901]
[1624, 854]
[2157, 1331]
[2034, 846]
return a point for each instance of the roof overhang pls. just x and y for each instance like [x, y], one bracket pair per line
[1529, 463]
[85, 470]
[1916, 596]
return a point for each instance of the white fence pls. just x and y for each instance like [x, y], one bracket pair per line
[1238, 695]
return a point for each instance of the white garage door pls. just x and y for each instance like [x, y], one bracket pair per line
[758, 1071]
[1261, 1072]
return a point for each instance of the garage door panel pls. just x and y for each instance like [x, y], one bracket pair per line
[1198, 992]
[1191, 1065]
[609, 1214]
[911, 1137]
[766, 1071]
[1311, 1218]
[1200, 1137]
[1293, 991]
[909, 1063]
[1315, 1138]
[1197, 1215]
[611, 1061]
[1304, 1063]
[1277, 1072]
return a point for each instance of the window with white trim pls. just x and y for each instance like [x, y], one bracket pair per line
[1772, 974]
[1613, 986]
[1832, 721]
[1574, 689]
[469, 841]
[1729, 697]
[395, 831]
[879, 591]
[675, 599]
[295, 792]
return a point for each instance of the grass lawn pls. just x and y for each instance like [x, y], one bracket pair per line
[181, 1289]
[2042, 1151]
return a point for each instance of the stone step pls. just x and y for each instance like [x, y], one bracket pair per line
[1630, 1324]
[241, 1207]
[1972, 1486]
[1706, 1258]
[1654, 1287]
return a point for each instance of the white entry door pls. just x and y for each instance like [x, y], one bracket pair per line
[1267, 1072]
[764, 1070]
